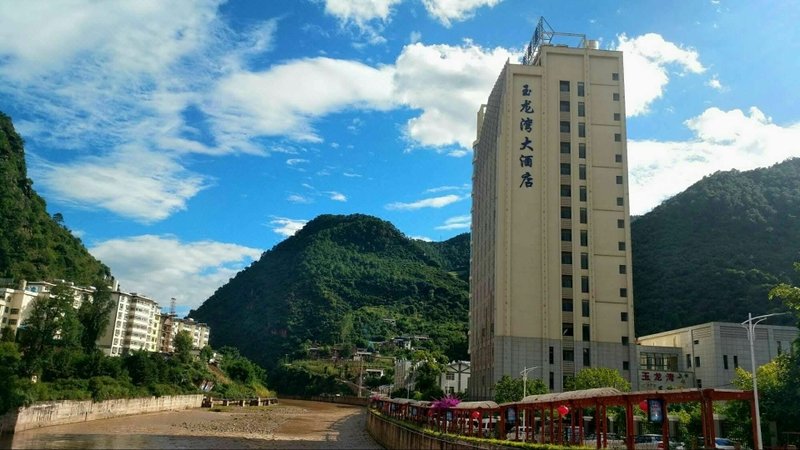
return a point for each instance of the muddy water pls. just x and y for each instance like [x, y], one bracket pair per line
[290, 425]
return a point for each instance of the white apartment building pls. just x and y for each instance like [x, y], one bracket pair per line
[550, 276]
[455, 377]
[133, 324]
[171, 326]
[16, 304]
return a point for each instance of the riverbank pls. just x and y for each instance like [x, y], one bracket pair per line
[292, 424]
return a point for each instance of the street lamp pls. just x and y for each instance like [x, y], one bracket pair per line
[524, 374]
[750, 325]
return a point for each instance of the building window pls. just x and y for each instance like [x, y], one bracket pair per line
[614, 76]
[566, 235]
[566, 190]
[688, 361]
[564, 126]
[584, 215]
[565, 148]
[563, 86]
[568, 354]
[566, 212]
[582, 193]
[621, 246]
[623, 292]
[618, 158]
[617, 137]
[584, 238]
[12, 321]
[566, 169]
[735, 362]
[585, 284]
[14, 311]
[725, 362]
[625, 340]
[623, 316]
[566, 258]
[564, 106]
[616, 117]
[626, 365]
[581, 91]
[620, 201]
[615, 96]
[566, 281]
[566, 329]
[619, 178]
[581, 129]
[584, 308]
[566, 304]
[552, 378]
[551, 357]
[587, 359]
[584, 261]
[582, 171]
[582, 150]
[699, 383]
[450, 376]
[620, 223]
[581, 109]
[697, 361]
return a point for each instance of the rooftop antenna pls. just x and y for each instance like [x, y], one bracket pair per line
[543, 35]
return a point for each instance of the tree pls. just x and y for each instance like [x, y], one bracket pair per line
[94, 316]
[182, 343]
[598, 377]
[51, 324]
[509, 389]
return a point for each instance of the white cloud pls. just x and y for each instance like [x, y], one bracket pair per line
[287, 227]
[297, 198]
[421, 238]
[297, 92]
[295, 161]
[464, 187]
[351, 175]
[337, 196]
[714, 83]
[163, 267]
[724, 140]
[360, 11]
[434, 202]
[446, 11]
[414, 37]
[647, 59]
[448, 83]
[456, 223]
[135, 183]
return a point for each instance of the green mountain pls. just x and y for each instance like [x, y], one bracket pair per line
[712, 252]
[34, 245]
[343, 281]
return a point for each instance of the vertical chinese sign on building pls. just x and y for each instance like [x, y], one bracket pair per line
[527, 133]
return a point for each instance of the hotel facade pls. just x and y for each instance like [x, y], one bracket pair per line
[550, 280]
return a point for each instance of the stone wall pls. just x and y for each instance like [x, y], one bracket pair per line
[345, 399]
[393, 436]
[46, 414]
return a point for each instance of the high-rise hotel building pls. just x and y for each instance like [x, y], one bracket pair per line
[550, 281]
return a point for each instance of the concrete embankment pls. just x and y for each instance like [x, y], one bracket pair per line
[46, 414]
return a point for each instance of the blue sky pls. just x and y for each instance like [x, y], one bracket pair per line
[181, 139]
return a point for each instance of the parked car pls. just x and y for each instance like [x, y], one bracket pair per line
[724, 444]
[647, 441]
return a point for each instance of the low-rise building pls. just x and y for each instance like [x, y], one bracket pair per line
[455, 377]
[708, 354]
[171, 325]
[16, 303]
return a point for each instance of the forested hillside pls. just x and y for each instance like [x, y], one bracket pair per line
[34, 245]
[343, 281]
[712, 252]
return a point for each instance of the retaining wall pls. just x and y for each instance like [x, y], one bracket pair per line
[394, 436]
[46, 414]
[345, 399]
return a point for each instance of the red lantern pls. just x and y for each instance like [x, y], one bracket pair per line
[476, 415]
[643, 405]
[563, 410]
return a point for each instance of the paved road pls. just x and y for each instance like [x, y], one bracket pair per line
[292, 424]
